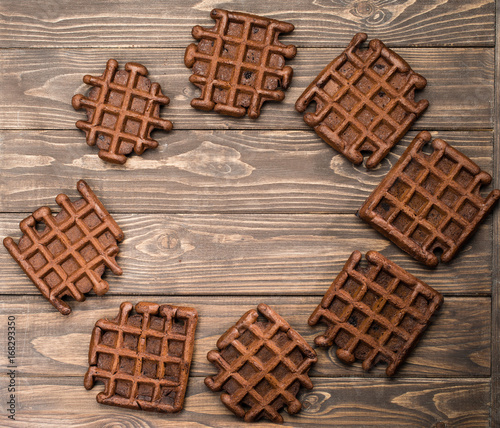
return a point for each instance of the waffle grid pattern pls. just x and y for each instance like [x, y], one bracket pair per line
[375, 314]
[123, 110]
[143, 359]
[430, 203]
[261, 366]
[364, 101]
[239, 64]
[69, 255]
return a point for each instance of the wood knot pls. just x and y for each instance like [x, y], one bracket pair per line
[168, 241]
[363, 9]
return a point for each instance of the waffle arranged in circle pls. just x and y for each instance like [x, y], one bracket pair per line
[375, 314]
[262, 365]
[123, 108]
[66, 254]
[365, 101]
[239, 63]
[143, 358]
[430, 203]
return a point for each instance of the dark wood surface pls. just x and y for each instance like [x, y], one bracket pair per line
[228, 213]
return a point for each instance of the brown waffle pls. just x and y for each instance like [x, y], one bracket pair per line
[66, 254]
[429, 204]
[123, 108]
[365, 101]
[375, 314]
[261, 366]
[239, 63]
[143, 359]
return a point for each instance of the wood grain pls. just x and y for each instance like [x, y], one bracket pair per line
[495, 319]
[38, 85]
[250, 171]
[318, 23]
[254, 254]
[228, 212]
[456, 345]
[337, 402]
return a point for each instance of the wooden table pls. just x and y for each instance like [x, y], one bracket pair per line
[228, 213]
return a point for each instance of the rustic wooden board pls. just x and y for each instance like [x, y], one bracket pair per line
[262, 254]
[38, 84]
[318, 23]
[495, 328]
[228, 212]
[205, 171]
[457, 344]
[335, 402]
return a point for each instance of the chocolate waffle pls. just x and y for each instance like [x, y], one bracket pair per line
[66, 254]
[375, 314]
[262, 364]
[239, 63]
[122, 108]
[365, 101]
[430, 203]
[143, 359]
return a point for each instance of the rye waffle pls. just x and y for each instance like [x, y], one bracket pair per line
[262, 364]
[365, 101]
[430, 203]
[239, 63]
[144, 358]
[66, 254]
[123, 108]
[375, 314]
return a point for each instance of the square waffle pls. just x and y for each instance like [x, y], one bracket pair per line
[143, 359]
[66, 254]
[375, 314]
[239, 63]
[430, 203]
[122, 108]
[365, 101]
[262, 364]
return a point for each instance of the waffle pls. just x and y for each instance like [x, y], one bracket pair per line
[66, 254]
[123, 108]
[430, 204]
[262, 365]
[375, 314]
[239, 63]
[365, 101]
[143, 359]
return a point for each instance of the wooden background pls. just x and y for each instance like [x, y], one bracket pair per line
[228, 213]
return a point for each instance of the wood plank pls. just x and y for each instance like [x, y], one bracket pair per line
[38, 84]
[495, 319]
[457, 343]
[320, 23]
[340, 402]
[255, 254]
[204, 171]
